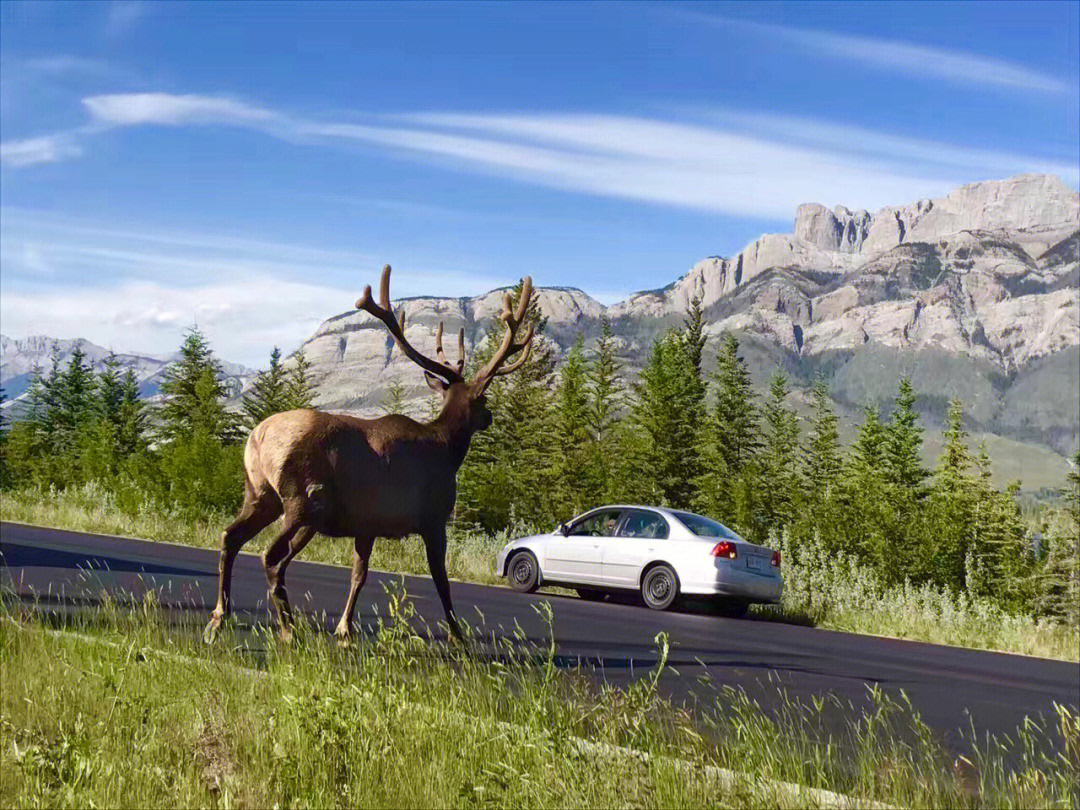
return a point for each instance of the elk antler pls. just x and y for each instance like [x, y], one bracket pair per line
[384, 312]
[509, 347]
[460, 346]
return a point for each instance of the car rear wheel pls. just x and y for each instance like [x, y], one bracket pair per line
[524, 572]
[590, 595]
[660, 587]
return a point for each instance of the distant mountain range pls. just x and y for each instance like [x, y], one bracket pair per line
[975, 295]
[19, 358]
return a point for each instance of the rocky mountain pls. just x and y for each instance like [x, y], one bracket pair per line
[974, 295]
[19, 358]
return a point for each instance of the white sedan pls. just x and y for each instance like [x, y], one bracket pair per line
[663, 553]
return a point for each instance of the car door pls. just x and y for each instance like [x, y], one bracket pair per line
[640, 540]
[576, 558]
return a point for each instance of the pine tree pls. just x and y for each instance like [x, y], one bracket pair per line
[601, 413]
[76, 400]
[903, 463]
[572, 432]
[952, 501]
[109, 391]
[730, 441]
[300, 394]
[194, 394]
[5, 469]
[271, 392]
[998, 562]
[694, 341]
[98, 452]
[868, 453]
[132, 418]
[667, 410]
[26, 440]
[510, 469]
[1059, 579]
[822, 462]
[779, 458]
[394, 401]
[864, 496]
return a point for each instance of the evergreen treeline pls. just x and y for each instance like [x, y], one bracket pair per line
[565, 440]
[184, 454]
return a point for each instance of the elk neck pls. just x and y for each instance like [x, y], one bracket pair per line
[452, 426]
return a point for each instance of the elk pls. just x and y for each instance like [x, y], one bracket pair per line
[343, 476]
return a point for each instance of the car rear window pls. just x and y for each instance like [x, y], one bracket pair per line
[706, 527]
[644, 524]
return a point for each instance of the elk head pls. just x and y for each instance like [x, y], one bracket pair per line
[464, 399]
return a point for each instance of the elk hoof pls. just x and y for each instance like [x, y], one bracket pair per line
[211, 631]
[343, 636]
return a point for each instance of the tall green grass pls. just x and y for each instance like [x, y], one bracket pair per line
[133, 711]
[831, 592]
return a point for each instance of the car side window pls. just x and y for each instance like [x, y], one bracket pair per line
[644, 524]
[598, 524]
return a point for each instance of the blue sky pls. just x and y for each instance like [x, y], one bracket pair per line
[251, 167]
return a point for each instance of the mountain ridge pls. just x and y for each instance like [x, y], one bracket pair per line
[975, 295]
[990, 299]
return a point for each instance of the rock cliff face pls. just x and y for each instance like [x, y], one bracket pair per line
[983, 283]
[975, 295]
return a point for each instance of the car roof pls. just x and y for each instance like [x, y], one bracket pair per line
[672, 513]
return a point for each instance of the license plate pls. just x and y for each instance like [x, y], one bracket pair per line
[753, 562]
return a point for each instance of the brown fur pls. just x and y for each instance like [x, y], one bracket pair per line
[343, 476]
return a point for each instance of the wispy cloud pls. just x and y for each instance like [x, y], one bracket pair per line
[906, 58]
[137, 289]
[730, 162]
[43, 149]
[130, 109]
[150, 316]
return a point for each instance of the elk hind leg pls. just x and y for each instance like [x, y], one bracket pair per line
[361, 557]
[258, 512]
[435, 543]
[276, 559]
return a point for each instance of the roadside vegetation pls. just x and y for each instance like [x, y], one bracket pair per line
[833, 593]
[134, 711]
[872, 541]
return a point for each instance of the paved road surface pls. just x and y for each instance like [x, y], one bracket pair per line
[945, 684]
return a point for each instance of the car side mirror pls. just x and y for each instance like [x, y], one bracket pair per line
[564, 530]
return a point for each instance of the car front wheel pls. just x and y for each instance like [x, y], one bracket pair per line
[660, 587]
[524, 572]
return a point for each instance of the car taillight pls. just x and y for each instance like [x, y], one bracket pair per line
[725, 549]
[776, 559]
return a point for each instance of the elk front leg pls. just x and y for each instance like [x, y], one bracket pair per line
[255, 516]
[361, 557]
[276, 559]
[435, 542]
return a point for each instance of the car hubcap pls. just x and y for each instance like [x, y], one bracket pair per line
[659, 587]
[522, 571]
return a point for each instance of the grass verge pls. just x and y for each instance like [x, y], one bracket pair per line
[132, 711]
[831, 593]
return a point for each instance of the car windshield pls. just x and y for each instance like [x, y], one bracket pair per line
[706, 527]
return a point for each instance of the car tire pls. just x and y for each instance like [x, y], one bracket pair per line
[660, 587]
[523, 572]
[589, 595]
[732, 608]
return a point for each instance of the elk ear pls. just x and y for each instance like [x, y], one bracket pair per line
[436, 384]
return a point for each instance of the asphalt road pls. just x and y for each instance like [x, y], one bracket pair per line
[951, 688]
